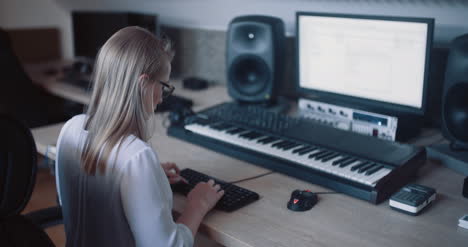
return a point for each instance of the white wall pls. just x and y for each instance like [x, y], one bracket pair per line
[451, 15]
[38, 13]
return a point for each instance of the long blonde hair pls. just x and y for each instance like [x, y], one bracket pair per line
[117, 108]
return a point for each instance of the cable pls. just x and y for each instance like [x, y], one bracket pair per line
[254, 177]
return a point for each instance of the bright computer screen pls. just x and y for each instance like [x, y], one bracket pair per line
[372, 58]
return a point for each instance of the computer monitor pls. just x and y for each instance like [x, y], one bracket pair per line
[92, 29]
[374, 63]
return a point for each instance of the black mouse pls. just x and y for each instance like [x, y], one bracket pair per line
[302, 200]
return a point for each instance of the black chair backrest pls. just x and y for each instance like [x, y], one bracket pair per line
[19, 96]
[13, 75]
[18, 166]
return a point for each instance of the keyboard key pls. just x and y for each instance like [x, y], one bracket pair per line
[348, 162]
[374, 169]
[337, 162]
[359, 165]
[234, 196]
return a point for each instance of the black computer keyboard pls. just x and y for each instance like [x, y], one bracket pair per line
[234, 196]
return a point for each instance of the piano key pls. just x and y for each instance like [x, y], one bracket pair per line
[306, 151]
[365, 168]
[329, 157]
[293, 145]
[337, 162]
[266, 137]
[250, 134]
[321, 151]
[363, 163]
[374, 169]
[320, 156]
[280, 144]
[236, 130]
[304, 147]
[269, 139]
[348, 162]
[255, 136]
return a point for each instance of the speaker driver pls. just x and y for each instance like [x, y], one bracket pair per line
[456, 111]
[249, 75]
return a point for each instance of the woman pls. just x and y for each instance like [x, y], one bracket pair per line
[113, 190]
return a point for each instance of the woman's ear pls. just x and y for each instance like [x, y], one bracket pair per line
[143, 77]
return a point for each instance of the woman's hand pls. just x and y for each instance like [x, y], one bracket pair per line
[172, 172]
[204, 196]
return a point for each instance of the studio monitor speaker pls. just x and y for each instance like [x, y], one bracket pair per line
[254, 57]
[455, 94]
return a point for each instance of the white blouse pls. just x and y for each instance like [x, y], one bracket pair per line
[129, 205]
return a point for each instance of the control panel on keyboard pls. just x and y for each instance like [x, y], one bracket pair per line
[250, 115]
[234, 196]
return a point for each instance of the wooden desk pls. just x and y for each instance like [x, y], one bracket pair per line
[336, 220]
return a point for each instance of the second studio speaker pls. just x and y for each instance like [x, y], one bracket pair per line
[455, 94]
[255, 58]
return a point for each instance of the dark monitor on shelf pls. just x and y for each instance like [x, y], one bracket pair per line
[374, 63]
[91, 29]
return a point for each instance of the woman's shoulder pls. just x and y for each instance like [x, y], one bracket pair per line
[76, 121]
[132, 147]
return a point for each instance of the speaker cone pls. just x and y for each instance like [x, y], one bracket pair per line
[249, 74]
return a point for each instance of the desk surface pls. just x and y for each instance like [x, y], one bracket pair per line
[336, 220]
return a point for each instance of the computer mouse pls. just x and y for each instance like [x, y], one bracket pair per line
[302, 200]
[195, 83]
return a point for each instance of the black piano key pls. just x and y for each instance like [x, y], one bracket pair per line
[355, 167]
[318, 157]
[291, 146]
[255, 136]
[348, 162]
[337, 162]
[269, 140]
[287, 144]
[235, 131]
[321, 151]
[306, 151]
[329, 157]
[263, 139]
[247, 134]
[279, 144]
[301, 148]
[365, 168]
[374, 170]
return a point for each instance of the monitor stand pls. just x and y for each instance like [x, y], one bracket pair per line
[456, 160]
[409, 128]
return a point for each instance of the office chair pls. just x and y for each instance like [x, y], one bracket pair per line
[17, 179]
[23, 99]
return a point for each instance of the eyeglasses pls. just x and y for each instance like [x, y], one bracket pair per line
[167, 89]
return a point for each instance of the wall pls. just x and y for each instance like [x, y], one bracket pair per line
[16, 14]
[450, 15]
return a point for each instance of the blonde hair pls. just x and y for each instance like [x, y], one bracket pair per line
[117, 108]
